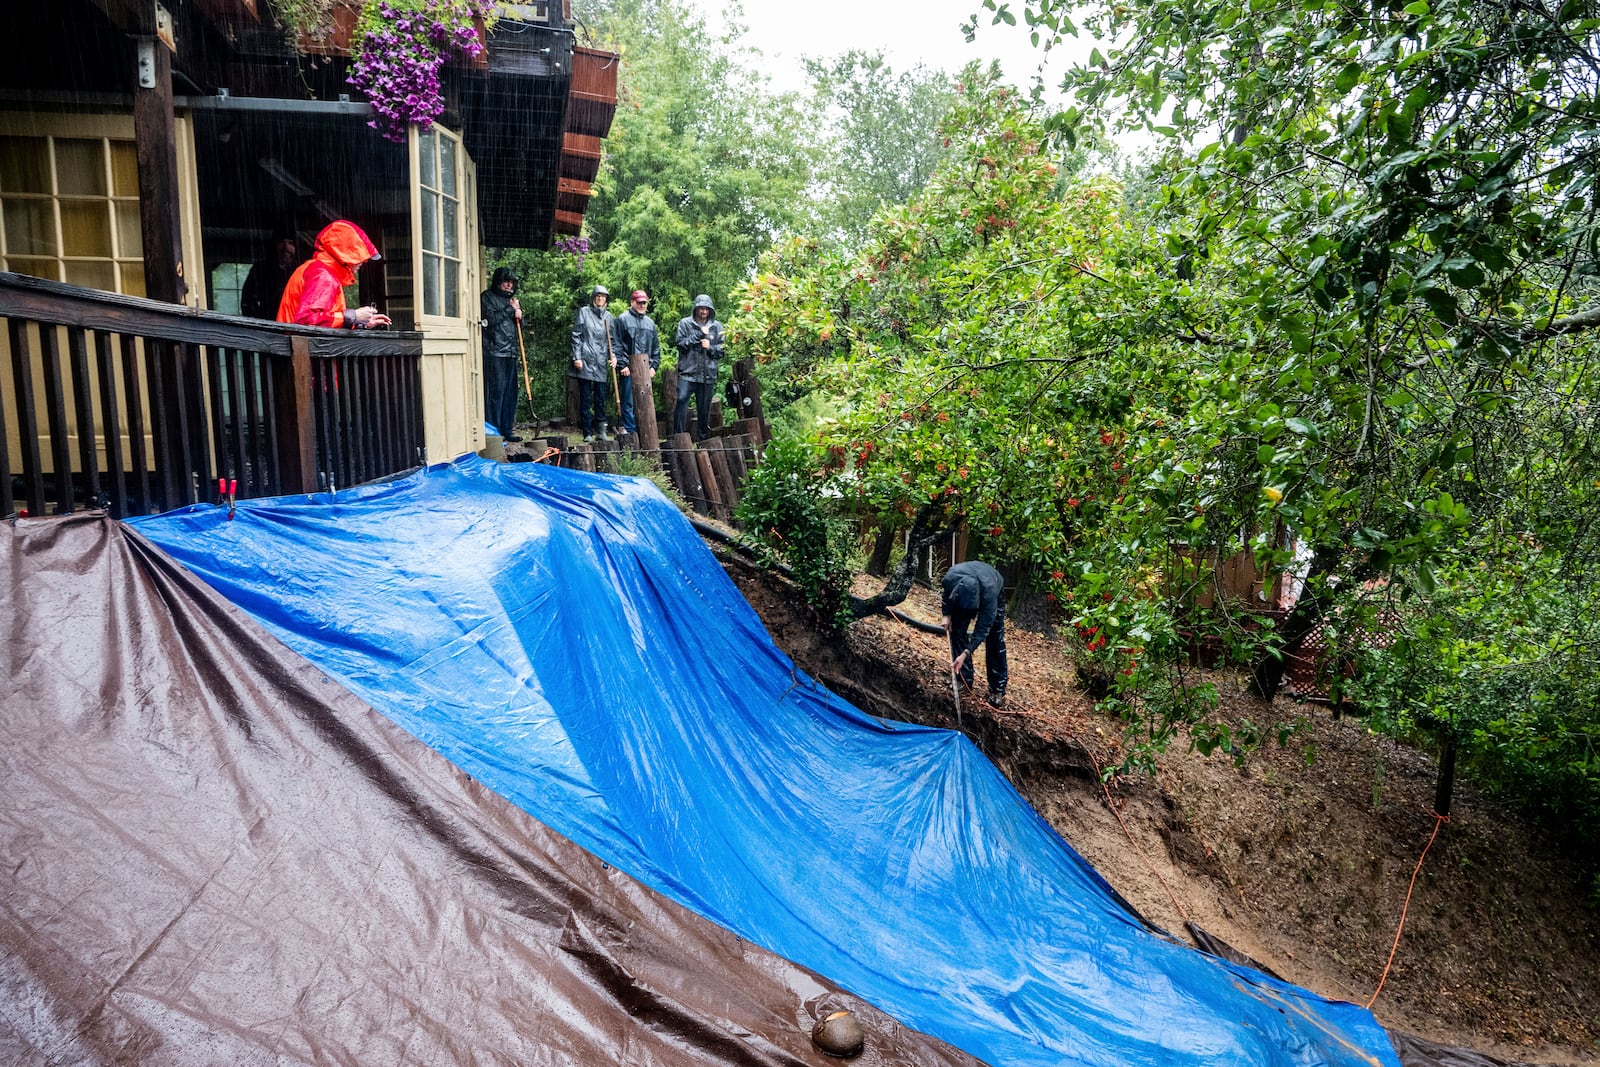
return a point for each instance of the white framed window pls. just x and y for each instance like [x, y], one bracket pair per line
[440, 182]
[69, 211]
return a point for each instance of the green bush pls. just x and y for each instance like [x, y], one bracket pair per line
[784, 506]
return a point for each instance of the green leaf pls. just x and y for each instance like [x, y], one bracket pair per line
[1468, 276]
[1441, 303]
[1425, 579]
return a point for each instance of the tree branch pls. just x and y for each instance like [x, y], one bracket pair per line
[899, 583]
[1583, 320]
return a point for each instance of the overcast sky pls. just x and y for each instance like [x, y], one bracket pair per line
[909, 31]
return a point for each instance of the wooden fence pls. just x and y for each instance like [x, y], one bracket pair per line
[708, 474]
[139, 406]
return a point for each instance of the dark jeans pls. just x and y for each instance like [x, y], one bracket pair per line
[625, 416]
[994, 648]
[591, 404]
[701, 391]
[500, 394]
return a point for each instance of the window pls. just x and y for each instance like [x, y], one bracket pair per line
[227, 287]
[69, 211]
[439, 237]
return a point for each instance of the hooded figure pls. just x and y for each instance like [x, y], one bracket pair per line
[973, 594]
[698, 340]
[264, 285]
[595, 350]
[499, 318]
[315, 293]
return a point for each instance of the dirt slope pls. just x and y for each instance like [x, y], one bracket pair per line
[1301, 858]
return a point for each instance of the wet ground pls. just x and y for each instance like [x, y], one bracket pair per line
[1301, 858]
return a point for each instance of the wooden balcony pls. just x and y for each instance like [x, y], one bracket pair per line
[139, 406]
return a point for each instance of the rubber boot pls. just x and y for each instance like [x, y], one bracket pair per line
[604, 436]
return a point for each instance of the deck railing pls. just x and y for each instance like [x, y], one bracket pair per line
[139, 406]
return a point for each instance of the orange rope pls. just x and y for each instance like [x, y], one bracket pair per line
[1138, 847]
[1438, 821]
[547, 454]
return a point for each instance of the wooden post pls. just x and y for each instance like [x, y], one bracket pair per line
[605, 457]
[708, 481]
[297, 426]
[644, 404]
[669, 397]
[725, 483]
[744, 391]
[752, 427]
[735, 447]
[681, 450]
[714, 420]
[156, 146]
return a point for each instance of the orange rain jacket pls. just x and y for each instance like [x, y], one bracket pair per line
[315, 293]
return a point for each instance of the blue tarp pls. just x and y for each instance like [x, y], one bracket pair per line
[567, 640]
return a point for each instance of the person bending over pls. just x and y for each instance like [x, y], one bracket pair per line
[973, 596]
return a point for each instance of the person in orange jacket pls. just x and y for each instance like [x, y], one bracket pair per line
[315, 293]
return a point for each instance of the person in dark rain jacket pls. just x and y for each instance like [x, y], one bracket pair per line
[594, 353]
[264, 285]
[698, 340]
[636, 335]
[501, 318]
[973, 594]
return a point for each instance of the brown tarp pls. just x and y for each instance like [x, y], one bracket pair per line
[211, 853]
[1420, 1052]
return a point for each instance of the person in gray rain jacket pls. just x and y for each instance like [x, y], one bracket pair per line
[501, 318]
[699, 343]
[595, 348]
[636, 335]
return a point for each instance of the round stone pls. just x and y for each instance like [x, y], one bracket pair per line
[839, 1034]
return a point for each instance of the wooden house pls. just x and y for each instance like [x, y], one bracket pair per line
[149, 154]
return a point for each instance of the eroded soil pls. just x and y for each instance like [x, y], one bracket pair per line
[1301, 858]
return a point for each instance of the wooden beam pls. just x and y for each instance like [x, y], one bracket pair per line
[130, 16]
[297, 436]
[156, 143]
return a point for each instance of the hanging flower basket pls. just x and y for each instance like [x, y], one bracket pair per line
[399, 50]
